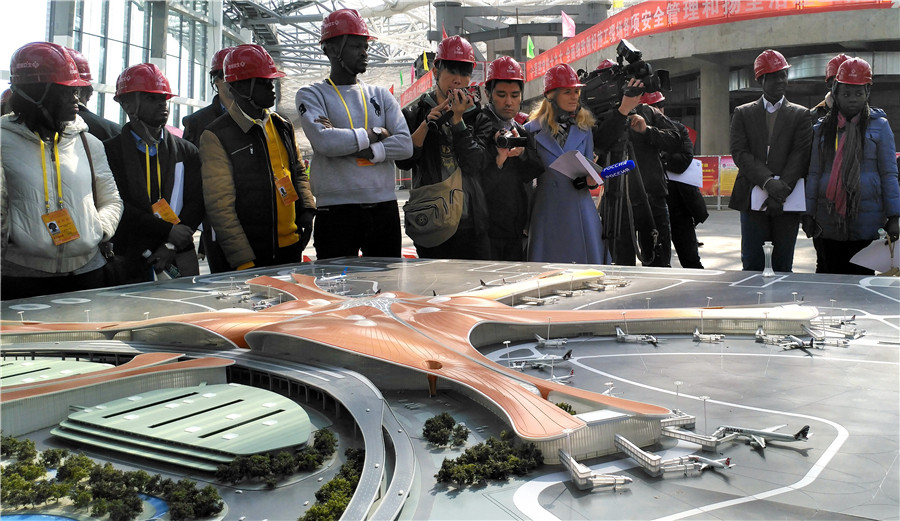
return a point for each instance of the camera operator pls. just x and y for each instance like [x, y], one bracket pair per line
[634, 210]
[441, 123]
[507, 178]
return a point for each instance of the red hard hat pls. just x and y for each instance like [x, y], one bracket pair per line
[143, 77]
[505, 68]
[521, 118]
[605, 64]
[769, 61]
[833, 65]
[854, 71]
[218, 60]
[44, 62]
[84, 70]
[652, 98]
[455, 48]
[344, 21]
[561, 77]
[250, 61]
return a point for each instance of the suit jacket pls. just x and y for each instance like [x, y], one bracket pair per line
[100, 128]
[787, 158]
[196, 123]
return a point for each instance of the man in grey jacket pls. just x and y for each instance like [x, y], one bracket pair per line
[356, 131]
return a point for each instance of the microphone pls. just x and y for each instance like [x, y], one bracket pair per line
[617, 169]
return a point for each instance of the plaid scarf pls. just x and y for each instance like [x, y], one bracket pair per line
[842, 192]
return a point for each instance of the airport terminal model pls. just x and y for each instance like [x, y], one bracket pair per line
[398, 339]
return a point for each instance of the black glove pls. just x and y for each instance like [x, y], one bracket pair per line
[777, 189]
[892, 228]
[305, 227]
[808, 223]
[774, 208]
[579, 183]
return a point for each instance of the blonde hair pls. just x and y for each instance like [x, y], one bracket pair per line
[545, 115]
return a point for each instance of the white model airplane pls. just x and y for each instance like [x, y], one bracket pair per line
[539, 361]
[333, 278]
[488, 284]
[792, 342]
[564, 379]
[622, 336]
[711, 338]
[549, 342]
[707, 463]
[759, 437]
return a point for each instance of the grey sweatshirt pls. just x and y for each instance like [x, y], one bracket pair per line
[336, 177]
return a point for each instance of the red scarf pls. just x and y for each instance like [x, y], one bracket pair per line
[843, 184]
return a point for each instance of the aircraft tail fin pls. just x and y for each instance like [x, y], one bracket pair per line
[727, 462]
[803, 434]
[568, 355]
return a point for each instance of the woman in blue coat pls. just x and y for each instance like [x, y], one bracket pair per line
[852, 189]
[565, 226]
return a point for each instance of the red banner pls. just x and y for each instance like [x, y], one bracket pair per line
[654, 17]
[710, 175]
[415, 90]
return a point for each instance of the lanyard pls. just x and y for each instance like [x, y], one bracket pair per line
[158, 174]
[361, 97]
[59, 194]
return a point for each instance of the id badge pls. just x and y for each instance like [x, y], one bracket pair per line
[165, 212]
[286, 190]
[361, 161]
[60, 226]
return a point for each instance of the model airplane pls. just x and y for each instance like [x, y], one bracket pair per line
[334, 278]
[489, 284]
[549, 342]
[759, 437]
[711, 338]
[622, 336]
[539, 361]
[792, 342]
[564, 379]
[707, 463]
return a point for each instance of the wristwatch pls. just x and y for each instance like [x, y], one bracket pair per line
[379, 133]
[170, 246]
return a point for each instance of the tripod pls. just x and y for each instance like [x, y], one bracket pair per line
[617, 202]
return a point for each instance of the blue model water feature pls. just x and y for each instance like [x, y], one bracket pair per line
[160, 507]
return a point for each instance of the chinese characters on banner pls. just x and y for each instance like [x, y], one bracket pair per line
[654, 17]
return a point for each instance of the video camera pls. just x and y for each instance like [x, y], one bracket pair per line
[603, 89]
[474, 91]
[510, 140]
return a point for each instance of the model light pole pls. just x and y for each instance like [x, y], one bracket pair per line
[759, 297]
[705, 427]
[506, 344]
[678, 394]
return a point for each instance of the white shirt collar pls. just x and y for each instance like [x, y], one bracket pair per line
[770, 108]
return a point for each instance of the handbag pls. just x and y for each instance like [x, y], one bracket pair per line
[116, 269]
[433, 211]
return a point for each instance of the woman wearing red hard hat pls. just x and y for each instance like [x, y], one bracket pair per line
[60, 200]
[565, 226]
[852, 188]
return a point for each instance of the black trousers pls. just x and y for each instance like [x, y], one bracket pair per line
[24, 287]
[834, 257]
[346, 229]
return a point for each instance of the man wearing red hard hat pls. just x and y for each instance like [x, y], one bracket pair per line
[447, 159]
[770, 144]
[513, 161]
[158, 175]
[357, 131]
[100, 127]
[255, 186]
